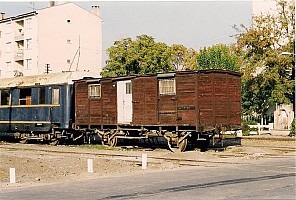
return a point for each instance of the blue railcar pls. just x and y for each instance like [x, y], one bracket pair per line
[38, 107]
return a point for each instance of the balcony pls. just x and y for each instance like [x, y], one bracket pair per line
[19, 55]
[19, 37]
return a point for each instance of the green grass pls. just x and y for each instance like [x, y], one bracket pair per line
[231, 136]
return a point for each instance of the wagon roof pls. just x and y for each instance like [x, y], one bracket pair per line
[220, 71]
[45, 79]
[162, 75]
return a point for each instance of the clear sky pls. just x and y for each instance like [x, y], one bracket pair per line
[194, 24]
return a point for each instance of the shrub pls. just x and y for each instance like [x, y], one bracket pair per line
[251, 122]
[245, 129]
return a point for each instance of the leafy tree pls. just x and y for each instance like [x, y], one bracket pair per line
[141, 56]
[266, 77]
[118, 58]
[183, 58]
[190, 61]
[218, 57]
[178, 53]
[144, 55]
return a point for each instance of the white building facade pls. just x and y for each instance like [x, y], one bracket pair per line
[264, 7]
[58, 38]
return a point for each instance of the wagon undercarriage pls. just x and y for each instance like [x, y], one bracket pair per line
[177, 140]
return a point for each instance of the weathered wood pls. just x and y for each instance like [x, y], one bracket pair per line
[203, 99]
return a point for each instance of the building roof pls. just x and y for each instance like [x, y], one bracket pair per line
[36, 12]
[18, 16]
[45, 79]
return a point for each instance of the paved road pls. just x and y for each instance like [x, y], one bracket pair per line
[263, 179]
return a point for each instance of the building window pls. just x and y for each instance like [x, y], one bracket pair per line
[25, 96]
[42, 95]
[68, 21]
[8, 28]
[167, 87]
[128, 88]
[5, 97]
[8, 47]
[94, 91]
[0, 34]
[29, 23]
[8, 66]
[28, 64]
[68, 41]
[68, 61]
[55, 96]
[29, 43]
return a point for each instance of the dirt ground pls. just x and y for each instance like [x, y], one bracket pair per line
[44, 164]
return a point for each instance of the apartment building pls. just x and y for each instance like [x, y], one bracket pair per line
[264, 6]
[61, 37]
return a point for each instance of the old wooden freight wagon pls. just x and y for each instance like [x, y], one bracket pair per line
[182, 107]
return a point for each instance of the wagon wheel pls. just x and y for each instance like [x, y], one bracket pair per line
[112, 141]
[177, 145]
[183, 144]
[103, 138]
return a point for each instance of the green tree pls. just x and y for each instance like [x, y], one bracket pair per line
[141, 56]
[266, 78]
[190, 60]
[218, 57]
[144, 55]
[183, 58]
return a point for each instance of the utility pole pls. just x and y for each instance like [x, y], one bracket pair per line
[47, 68]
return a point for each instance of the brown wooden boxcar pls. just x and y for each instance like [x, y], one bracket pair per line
[180, 106]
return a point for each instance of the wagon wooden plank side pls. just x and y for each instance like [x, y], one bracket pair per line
[145, 100]
[186, 99]
[182, 107]
[81, 103]
[167, 99]
[109, 95]
[219, 99]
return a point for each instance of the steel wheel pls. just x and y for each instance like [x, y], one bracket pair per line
[183, 144]
[113, 141]
[180, 147]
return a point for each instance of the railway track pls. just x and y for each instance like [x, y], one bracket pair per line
[120, 156]
[288, 149]
[129, 157]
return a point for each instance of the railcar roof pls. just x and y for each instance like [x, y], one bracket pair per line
[164, 74]
[45, 79]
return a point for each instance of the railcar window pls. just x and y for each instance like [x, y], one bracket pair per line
[25, 96]
[94, 91]
[42, 95]
[5, 97]
[167, 87]
[55, 96]
[128, 88]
